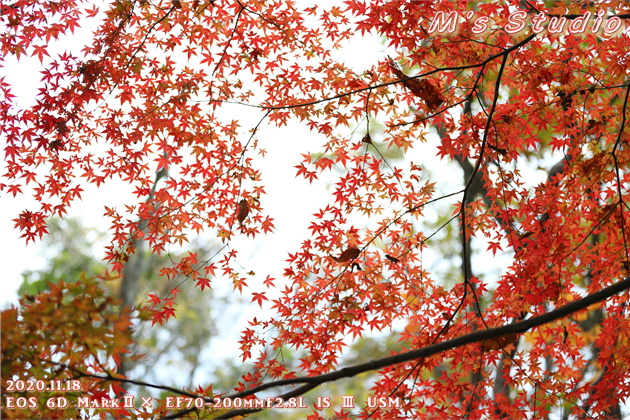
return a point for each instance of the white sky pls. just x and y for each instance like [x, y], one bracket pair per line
[24, 77]
[290, 201]
[278, 169]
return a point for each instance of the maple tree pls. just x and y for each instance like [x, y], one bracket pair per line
[536, 120]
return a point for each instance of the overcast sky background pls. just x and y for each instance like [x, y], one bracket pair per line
[290, 201]
[284, 145]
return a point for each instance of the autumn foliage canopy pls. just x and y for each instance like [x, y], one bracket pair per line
[529, 129]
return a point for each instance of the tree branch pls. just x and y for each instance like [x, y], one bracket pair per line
[474, 337]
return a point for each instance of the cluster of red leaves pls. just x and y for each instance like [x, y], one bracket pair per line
[163, 75]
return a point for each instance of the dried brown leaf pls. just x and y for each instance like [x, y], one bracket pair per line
[422, 88]
[347, 255]
[498, 342]
[243, 211]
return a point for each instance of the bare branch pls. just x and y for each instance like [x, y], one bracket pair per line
[474, 337]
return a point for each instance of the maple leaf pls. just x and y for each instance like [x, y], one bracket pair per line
[40, 51]
[168, 85]
[203, 283]
[243, 211]
[268, 281]
[349, 254]
[258, 297]
[419, 87]
[494, 247]
[498, 342]
[126, 96]
[239, 283]
[154, 299]
[14, 189]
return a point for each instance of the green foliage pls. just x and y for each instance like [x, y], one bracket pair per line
[68, 249]
[73, 333]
